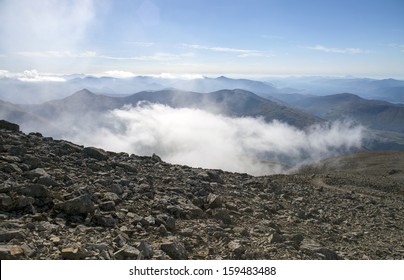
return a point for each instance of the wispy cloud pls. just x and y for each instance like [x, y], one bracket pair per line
[140, 44]
[154, 57]
[93, 54]
[57, 54]
[397, 46]
[336, 50]
[239, 52]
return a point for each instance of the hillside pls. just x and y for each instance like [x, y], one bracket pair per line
[60, 200]
[372, 113]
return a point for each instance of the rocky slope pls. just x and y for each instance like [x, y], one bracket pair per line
[59, 200]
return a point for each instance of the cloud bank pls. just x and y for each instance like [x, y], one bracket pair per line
[201, 139]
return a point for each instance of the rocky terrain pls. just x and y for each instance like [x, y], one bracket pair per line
[60, 200]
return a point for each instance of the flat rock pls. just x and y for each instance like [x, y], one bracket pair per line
[95, 153]
[174, 249]
[79, 205]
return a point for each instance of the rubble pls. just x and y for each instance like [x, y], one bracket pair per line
[59, 200]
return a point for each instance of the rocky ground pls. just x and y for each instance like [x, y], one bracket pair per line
[59, 200]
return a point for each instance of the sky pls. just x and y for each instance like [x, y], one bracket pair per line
[198, 37]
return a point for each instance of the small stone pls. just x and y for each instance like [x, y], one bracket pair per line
[95, 153]
[22, 202]
[11, 252]
[127, 252]
[156, 158]
[55, 239]
[188, 232]
[110, 196]
[72, 253]
[162, 229]
[105, 220]
[223, 215]
[214, 201]
[36, 173]
[312, 246]
[46, 180]
[146, 249]
[28, 251]
[78, 205]
[120, 240]
[5, 202]
[107, 206]
[276, 238]
[236, 248]
[170, 223]
[6, 236]
[35, 190]
[174, 249]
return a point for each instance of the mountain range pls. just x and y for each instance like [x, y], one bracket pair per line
[87, 105]
[36, 91]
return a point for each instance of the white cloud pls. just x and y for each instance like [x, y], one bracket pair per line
[201, 139]
[34, 76]
[117, 74]
[240, 52]
[337, 50]
[179, 76]
[141, 44]
[4, 73]
[154, 57]
[57, 54]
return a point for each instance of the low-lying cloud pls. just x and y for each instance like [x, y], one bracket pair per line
[201, 139]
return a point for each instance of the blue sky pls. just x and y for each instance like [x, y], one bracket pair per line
[222, 37]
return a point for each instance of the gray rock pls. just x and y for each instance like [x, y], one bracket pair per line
[28, 250]
[107, 206]
[23, 201]
[36, 173]
[35, 190]
[146, 249]
[127, 252]
[6, 236]
[78, 205]
[214, 201]
[9, 126]
[156, 158]
[222, 214]
[174, 249]
[110, 196]
[17, 151]
[120, 240]
[10, 168]
[237, 248]
[276, 238]
[312, 246]
[46, 180]
[5, 202]
[95, 153]
[104, 220]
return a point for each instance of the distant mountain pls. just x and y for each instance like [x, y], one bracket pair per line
[375, 114]
[19, 115]
[28, 92]
[229, 102]
[390, 90]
